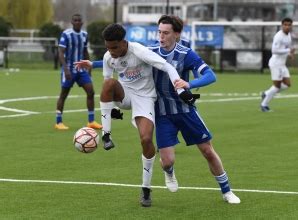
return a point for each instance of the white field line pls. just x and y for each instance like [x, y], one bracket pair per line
[22, 112]
[16, 110]
[233, 97]
[2, 101]
[247, 98]
[134, 185]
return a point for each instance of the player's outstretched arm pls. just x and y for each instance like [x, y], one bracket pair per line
[207, 78]
[83, 64]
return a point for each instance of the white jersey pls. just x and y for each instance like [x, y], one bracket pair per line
[281, 48]
[134, 69]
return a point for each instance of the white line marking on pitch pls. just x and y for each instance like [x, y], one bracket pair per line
[133, 185]
[22, 112]
[16, 110]
[39, 98]
[249, 96]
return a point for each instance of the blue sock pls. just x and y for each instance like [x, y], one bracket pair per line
[223, 182]
[58, 117]
[170, 170]
[90, 116]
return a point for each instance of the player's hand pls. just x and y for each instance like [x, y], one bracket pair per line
[67, 74]
[188, 97]
[83, 64]
[180, 83]
[116, 114]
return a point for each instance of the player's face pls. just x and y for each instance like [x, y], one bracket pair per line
[286, 27]
[167, 36]
[116, 48]
[77, 23]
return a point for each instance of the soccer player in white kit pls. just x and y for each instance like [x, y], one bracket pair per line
[281, 49]
[134, 90]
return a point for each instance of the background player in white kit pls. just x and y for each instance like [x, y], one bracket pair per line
[133, 90]
[281, 49]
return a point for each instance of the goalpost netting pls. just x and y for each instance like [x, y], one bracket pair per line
[237, 45]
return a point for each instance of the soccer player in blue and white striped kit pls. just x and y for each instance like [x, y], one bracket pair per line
[72, 48]
[173, 115]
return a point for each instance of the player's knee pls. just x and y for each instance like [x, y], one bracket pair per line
[146, 141]
[90, 94]
[167, 163]
[109, 83]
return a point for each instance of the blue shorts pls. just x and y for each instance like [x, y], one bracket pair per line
[191, 126]
[81, 78]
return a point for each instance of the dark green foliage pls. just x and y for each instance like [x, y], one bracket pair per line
[50, 30]
[96, 41]
[5, 27]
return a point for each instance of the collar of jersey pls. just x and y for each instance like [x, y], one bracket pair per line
[165, 52]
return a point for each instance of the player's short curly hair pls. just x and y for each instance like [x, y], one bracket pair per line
[287, 20]
[114, 32]
[174, 20]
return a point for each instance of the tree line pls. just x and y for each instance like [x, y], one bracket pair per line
[38, 14]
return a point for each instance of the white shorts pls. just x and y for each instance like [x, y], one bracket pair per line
[279, 72]
[141, 106]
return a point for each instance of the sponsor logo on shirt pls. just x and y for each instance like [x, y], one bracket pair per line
[131, 74]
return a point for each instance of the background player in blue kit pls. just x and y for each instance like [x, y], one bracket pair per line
[72, 48]
[173, 115]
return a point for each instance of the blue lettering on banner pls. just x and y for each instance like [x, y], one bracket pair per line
[204, 35]
[209, 36]
[136, 34]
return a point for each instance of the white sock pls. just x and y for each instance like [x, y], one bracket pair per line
[106, 108]
[270, 93]
[147, 171]
[283, 87]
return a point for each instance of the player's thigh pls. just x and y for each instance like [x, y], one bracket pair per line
[193, 128]
[145, 128]
[88, 88]
[143, 107]
[277, 73]
[125, 102]
[83, 78]
[287, 81]
[286, 76]
[112, 88]
[67, 83]
[166, 132]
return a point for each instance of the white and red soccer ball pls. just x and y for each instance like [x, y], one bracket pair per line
[86, 140]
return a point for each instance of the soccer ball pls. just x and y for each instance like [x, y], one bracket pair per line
[86, 140]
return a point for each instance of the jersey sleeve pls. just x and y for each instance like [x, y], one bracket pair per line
[97, 64]
[107, 69]
[195, 63]
[63, 40]
[148, 56]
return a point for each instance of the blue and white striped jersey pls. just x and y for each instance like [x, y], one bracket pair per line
[184, 60]
[74, 44]
[184, 42]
